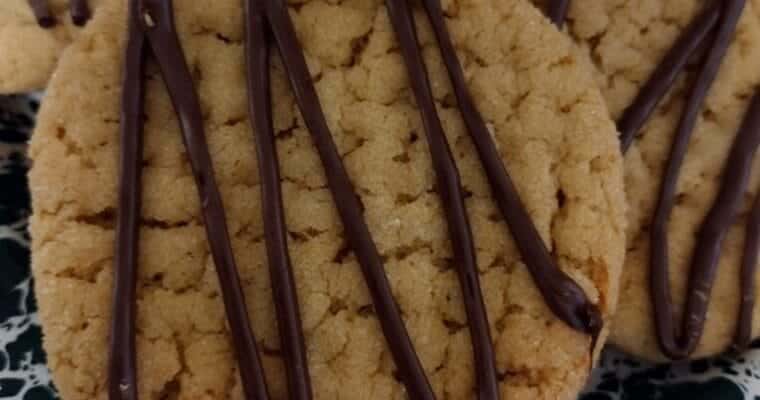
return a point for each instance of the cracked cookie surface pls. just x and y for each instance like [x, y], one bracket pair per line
[626, 41]
[550, 125]
[28, 52]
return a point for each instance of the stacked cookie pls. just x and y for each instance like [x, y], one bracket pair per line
[680, 78]
[389, 199]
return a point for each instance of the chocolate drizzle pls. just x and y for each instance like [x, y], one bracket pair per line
[122, 368]
[665, 74]
[716, 224]
[151, 26]
[450, 190]
[42, 13]
[716, 27]
[257, 38]
[556, 10]
[565, 298]
[80, 12]
[151, 23]
[749, 264]
[709, 242]
[349, 209]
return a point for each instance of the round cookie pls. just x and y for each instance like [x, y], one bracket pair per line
[626, 42]
[549, 123]
[29, 51]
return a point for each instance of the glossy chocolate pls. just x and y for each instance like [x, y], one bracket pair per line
[556, 10]
[80, 12]
[152, 26]
[563, 295]
[410, 369]
[122, 368]
[42, 13]
[714, 229]
[664, 76]
[257, 41]
[151, 23]
[716, 224]
[450, 191]
[749, 264]
[713, 29]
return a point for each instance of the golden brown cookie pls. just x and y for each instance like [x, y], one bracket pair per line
[627, 41]
[550, 127]
[28, 51]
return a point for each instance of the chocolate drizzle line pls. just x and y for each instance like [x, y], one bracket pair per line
[663, 78]
[556, 10]
[679, 345]
[410, 369]
[563, 295]
[716, 26]
[749, 262]
[257, 38]
[80, 12]
[42, 13]
[707, 252]
[450, 190]
[122, 369]
[152, 22]
[716, 225]
[151, 25]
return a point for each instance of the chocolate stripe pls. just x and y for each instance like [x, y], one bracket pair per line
[716, 225]
[708, 250]
[556, 10]
[80, 12]
[749, 266]
[42, 13]
[567, 300]
[275, 230]
[450, 190]
[159, 28]
[122, 370]
[664, 76]
[349, 209]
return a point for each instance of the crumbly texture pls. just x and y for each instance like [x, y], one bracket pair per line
[547, 117]
[29, 53]
[626, 41]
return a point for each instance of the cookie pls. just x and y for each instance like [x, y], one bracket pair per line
[680, 77]
[360, 115]
[33, 33]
